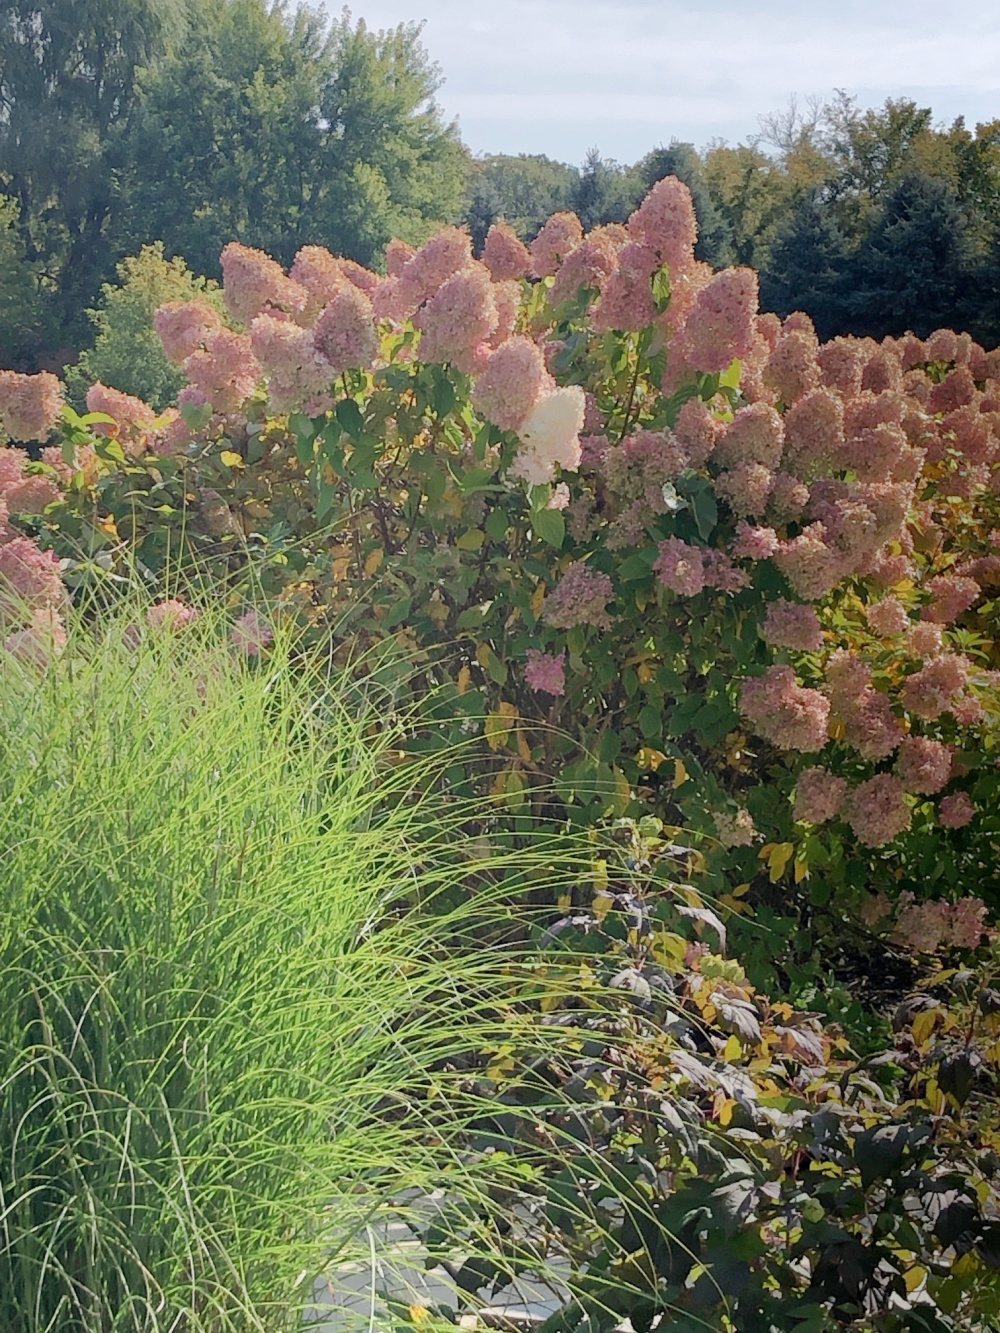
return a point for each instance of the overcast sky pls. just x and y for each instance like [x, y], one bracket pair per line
[561, 76]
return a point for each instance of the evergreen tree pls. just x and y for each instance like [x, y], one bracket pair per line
[715, 240]
[524, 190]
[914, 268]
[605, 192]
[808, 268]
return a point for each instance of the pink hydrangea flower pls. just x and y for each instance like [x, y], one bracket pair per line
[698, 431]
[876, 810]
[886, 617]
[746, 489]
[756, 434]
[721, 326]
[930, 691]
[792, 625]
[507, 298]
[635, 471]
[924, 640]
[579, 598]
[344, 334]
[680, 567]
[968, 923]
[546, 671]
[589, 265]
[814, 432]
[784, 712]
[792, 369]
[626, 302]
[250, 633]
[21, 492]
[955, 390]
[735, 829]
[223, 374]
[722, 573]
[788, 498]
[811, 566]
[562, 233]
[950, 596]
[29, 578]
[397, 255]
[252, 282]
[505, 254]
[819, 795]
[842, 363]
[183, 325]
[29, 405]
[40, 641]
[883, 371]
[172, 615]
[514, 380]
[294, 369]
[438, 259]
[922, 927]
[665, 222]
[956, 811]
[457, 321]
[923, 765]
[753, 543]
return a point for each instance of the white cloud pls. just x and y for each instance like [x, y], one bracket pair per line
[556, 76]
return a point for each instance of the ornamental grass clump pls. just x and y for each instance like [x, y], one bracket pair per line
[227, 1035]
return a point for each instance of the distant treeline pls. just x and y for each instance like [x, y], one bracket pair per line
[193, 122]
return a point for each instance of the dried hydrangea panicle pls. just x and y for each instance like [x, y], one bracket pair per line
[735, 828]
[636, 472]
[183, 325]
[720, 327]
[252, 281]
[545, 672]
[295, 371]
[345, 335]
[792, 625]
[579, 598]
[562, 233]
[680, 567]
[514, 380]
[665, 221]
[756, 434]
[456, 322]
[819, 795]
[30, 405]
[876, 810]
[785, 713]
[956, 811]
[921, 927]
[698, 431]
[923, 765]
[626, 303]
[550, 436]
[505, 254]
[223, 374]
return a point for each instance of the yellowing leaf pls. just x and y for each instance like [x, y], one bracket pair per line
[230, 458]
[915, 1277]
[680, 774]
[373, 559]
[924, 1024]
[603, 903]
[741, 890]
[498, 725]
[733, 1049]
[464, 678]
[801, 870]
[778, 858]
[471, 540]
[537, 598]
[648, 758]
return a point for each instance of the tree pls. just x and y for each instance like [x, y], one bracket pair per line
[524, 190]
[914, 268]
[715, 241]
[808, 268]
[278, 132]
[126, 352]
[605, 192]
[68, 79]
